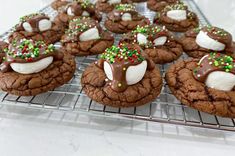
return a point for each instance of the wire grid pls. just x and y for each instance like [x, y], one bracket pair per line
[165, 109]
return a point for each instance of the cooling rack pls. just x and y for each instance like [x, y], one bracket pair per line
[165, 109]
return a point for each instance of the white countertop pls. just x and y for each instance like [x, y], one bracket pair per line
[25, 132]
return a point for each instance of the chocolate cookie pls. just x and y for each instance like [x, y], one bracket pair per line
[38, 27]
[123, 77]
[124, 18]
[108, 5]
[3, 46]
[158, 5]
[158, 43]
[57, 4]
[201, 41]
[32, 67]
[177, 18]
[80, 8]
[86, 37]
[207, 86]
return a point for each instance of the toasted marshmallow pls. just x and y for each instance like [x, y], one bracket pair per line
[85, 13]
[108, 70]
[142, 39]
[90, 34]
[27, 27]
[126, 17]
[221, 80]
[114, 1]
[69, 12]
[44, 25]
[204, 41]
[160, 41]
[134, 74]
[34, 67]
[178, 15]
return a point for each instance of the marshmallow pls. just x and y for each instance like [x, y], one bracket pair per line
[108, 70]
[90, 34]
[114, 1]
[221, 80]
[160, 41]
[203, 40]
[85, 13]
[178, 15]
[142, 39]
[44, 25]
[134, 74]
[34, 67]
[69, 12]
[27, 27]
[126, 17]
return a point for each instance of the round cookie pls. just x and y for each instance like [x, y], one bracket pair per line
[3, 48]
[124, 18]
[79, 8]
[206, 85]
[158, 5]
[57, 4]
[114, 81]
[108, 5]
[32, 67]
[177, 18]
[158, 43]
[37, 27]
[86, 37]
[198, 42]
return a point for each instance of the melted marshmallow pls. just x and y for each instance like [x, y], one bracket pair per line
[85, 13]
[134, 74]
[44, 25]
[203, 40]
[221, 80]
[34, 67]
[142, 39]
[160, 41]
[69, 12]
[126, 17]
[108, 70]
[27, 27]
[178, 15]
[114, 1]
[90, 34]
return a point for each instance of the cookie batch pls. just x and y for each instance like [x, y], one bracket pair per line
[126, 73]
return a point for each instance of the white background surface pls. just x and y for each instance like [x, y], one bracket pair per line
[34, 133]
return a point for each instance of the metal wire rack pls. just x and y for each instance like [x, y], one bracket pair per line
[165, 109]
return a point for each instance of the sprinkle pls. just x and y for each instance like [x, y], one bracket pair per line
[119, 84]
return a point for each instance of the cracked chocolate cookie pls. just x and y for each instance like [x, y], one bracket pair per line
[3, 48]
[158, 5]
[33, 67]
[177, 18]
[158, 43]
[58, 4]
[124, 18]
[123, 77]
[206, 85]
[108, 5]
[198, 42]
[37, 27]
[86, 37]
[79, 8]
